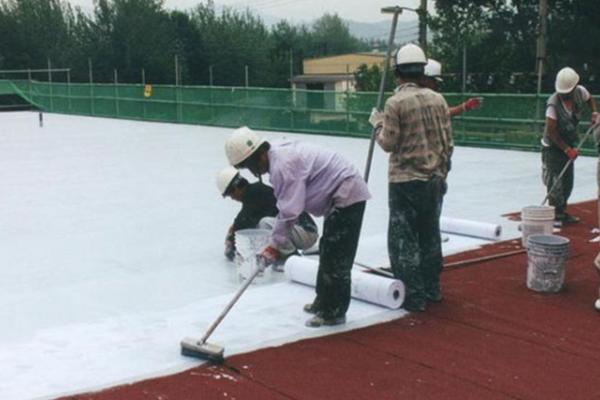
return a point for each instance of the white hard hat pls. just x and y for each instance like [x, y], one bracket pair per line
[242, 143]
[433, 69]
[224, 179]
[410, 54]
[566, 80]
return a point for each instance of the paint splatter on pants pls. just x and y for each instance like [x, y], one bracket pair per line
[337, 248]
[414, 239]
[553, 161]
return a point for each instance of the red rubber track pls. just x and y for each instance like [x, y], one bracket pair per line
[491, 338]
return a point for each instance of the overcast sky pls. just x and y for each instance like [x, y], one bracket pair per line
[300, 10]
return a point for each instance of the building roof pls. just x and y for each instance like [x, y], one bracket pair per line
[322, 78]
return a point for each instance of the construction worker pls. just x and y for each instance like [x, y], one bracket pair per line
[433, 78]
[313, 179]
[415, 129]
[559, 143]
[259, 209]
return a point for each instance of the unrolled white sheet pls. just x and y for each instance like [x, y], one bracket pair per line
[365, 286]
[467, 227]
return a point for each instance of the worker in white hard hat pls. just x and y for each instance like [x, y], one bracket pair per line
[560, 140]
[415, 129]
[433, 78]
[259, 209]
[317, 180]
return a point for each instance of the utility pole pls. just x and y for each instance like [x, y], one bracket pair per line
[422, 11]
[541, 51]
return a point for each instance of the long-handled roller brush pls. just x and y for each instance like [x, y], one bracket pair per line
[560, 175]
[200, 348]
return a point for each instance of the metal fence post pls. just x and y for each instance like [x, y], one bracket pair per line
[144, 99]
[91, 76]
[116, 89]
[69, 87]
[50, 84]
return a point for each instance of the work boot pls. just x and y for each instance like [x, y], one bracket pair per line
[312, 308]
[566, 219]
[435, 297]
[597, 305]
[319, 320]
[414, 305]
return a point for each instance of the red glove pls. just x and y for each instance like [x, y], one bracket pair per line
[571, 153]
[472, 103]
[269, 256]
[595, 117]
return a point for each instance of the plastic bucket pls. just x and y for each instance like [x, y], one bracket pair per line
[249, 243]
[537, 220]
[546, 260]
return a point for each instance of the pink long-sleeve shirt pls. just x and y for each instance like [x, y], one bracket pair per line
[313, 179]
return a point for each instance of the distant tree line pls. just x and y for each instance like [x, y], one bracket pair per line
[499, 37]
[131, 35]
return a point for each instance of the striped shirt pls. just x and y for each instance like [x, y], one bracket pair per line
[417, 134]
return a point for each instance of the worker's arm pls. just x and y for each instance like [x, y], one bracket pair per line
[388, 136]
[551, 128]
[468, 105]
[595, 115]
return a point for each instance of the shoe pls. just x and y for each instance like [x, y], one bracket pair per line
[414, 306]
[597, 305]
[566, 219]
[310, 308]
[318, 321]
[435, 298]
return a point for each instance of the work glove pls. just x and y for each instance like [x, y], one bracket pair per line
[595, 117]
[472, 103]
[267, 257]
[571, 153]
[376, 118]
[230, 245]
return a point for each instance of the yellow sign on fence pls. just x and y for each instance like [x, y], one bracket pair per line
[148, 91]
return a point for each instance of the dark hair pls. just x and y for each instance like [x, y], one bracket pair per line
[410, 72]
[253, 159]
[238, 181]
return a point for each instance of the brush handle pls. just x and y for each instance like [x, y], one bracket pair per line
[239, 293]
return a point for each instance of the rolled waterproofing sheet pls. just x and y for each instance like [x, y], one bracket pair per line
[466, 227]
[371, 288]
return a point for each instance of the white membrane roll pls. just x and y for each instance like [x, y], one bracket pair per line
[466, 227]
[367, 287]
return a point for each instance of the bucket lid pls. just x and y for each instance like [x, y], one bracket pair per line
[548, 240]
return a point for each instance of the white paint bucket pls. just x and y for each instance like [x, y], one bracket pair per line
[249, 243]
[537, 220]
[546, 260]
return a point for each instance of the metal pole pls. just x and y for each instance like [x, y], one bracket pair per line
[91, 75]
[50, 84]
[464, 68]
[422, 11]
[30, 84]
[116, 87]
[69, 87]
[246, 70]
[144, 99]
[210, 93]
[177, 99]
[386, 67]
[541, 56]
[291, 67]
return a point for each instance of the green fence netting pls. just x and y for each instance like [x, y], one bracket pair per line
[505, 120]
